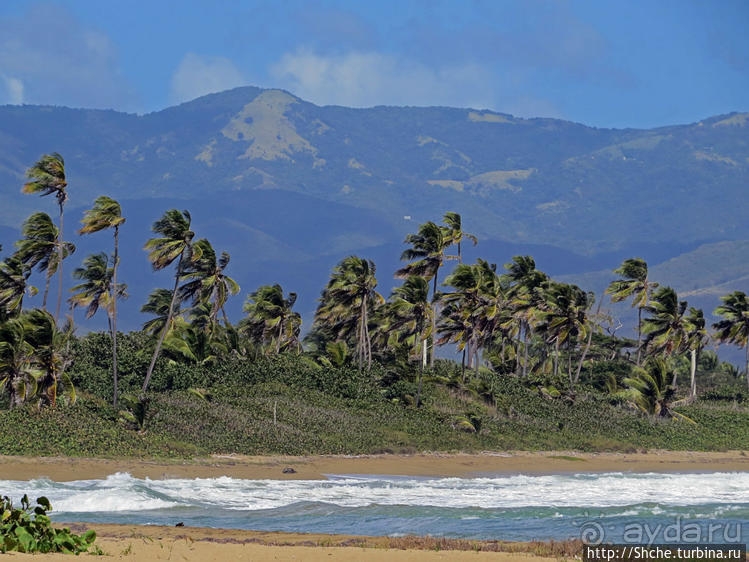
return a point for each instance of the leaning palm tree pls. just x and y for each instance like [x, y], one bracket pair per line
[734, 324]
[347, 302]
[634, 284]
[426, 254]
[410, 313]
[47, 177]
[455, 234]
[175, 243]
[270, 321]
[40, 248]
[697, 338]
[107, 213]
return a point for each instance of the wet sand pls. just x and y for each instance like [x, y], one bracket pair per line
[316, 467]
[134, 543]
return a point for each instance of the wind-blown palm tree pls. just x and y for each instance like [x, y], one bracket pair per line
[158, 304]
[650, 391]
[51, 354]
[270, 321]
[634, 284]
[18, 372]
[455, 232]
[428, 247]
[14, 275]
[95, 291]
[410, 314]
[734, 324]
[525, 295]
[666, 328]
[47, 177]
[205, 280]
[107, 213]
[175, 243]
[697, 338]
[40, 248]
[347, 302]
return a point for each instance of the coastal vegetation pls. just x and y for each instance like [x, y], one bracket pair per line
[541, 365]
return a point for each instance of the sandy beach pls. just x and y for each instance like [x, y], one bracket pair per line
[316, 467]
[124, 542]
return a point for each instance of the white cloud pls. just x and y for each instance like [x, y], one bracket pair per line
[364, 79]
[199, 75]
[74, 65]
[13, 91]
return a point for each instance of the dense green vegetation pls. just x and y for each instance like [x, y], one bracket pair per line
[541, 365]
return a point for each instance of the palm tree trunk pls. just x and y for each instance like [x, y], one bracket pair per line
[166, 326]
[421, 369]
[46, 289]
[556, 355]
[693, 373]
[434, 320]
[476, 352]
[639, 333]
[114, 310]
[59, 266]
[463, 366]
[525, 349]
[460, 256]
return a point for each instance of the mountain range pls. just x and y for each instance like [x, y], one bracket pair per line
[288, 188]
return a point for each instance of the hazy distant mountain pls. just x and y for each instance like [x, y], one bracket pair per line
[288, 187]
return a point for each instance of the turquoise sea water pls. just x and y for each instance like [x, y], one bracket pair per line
[614, 507]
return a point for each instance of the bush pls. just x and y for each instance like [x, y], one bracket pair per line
[27, 530]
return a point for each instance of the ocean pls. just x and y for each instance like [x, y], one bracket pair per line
[609, 507]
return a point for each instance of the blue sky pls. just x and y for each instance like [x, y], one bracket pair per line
[603, 63]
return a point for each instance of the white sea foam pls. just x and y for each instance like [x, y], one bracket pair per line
[121, 492]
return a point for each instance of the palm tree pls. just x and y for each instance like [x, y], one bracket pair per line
[666, 329]
[107, 213]
[525, 298]
[564, 319]
[428, 247]
[96, 291]
[697, 337]
[636, 285]
[175, 243]
[455, 232]
[270, 321]
[650, 391]
[18, 372]
[14, 275]
[347, 301]
[734, 324]
[47, 177]
[158, 304]
[40, 247]
[205, 280]
[51, 354]
[410, 313]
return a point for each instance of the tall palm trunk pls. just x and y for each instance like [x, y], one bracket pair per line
[59, 265]
[46, 289]
[463, 366]
[114, 311]
[525, 349]
[434, 319]
[639, 334]
[156, 351]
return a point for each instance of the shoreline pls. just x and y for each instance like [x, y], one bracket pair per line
[460, 465]
[133, 542]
